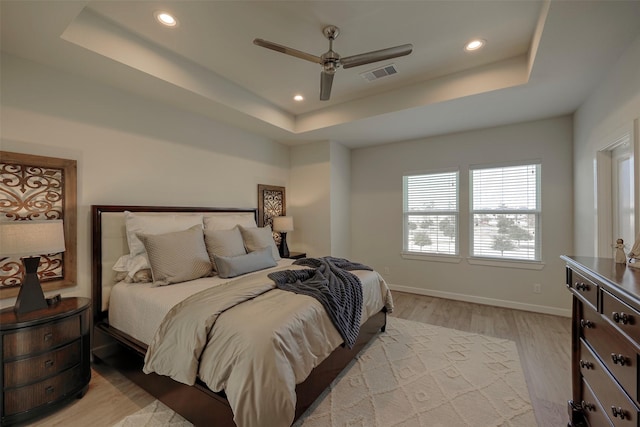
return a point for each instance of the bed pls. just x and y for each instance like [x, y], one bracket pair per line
[129, 316]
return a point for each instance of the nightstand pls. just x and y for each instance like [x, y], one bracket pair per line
[296, 255]
[45, 358]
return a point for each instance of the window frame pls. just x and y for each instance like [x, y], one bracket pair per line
[411, 254]
[496, 260]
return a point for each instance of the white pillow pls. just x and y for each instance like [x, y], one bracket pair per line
[258, 238]
[141, 223]
[178, 256]
[223, 243]
[228, 221]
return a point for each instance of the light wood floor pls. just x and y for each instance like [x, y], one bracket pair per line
[543, 341]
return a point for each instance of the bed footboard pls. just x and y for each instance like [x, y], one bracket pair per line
[197, 403]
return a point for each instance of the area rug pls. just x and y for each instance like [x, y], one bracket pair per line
[414, 374]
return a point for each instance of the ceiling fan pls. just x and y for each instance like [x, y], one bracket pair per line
[331, 60]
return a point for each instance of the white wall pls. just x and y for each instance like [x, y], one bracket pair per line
[340, 158]
[377, 213]
[130, 150]
[613, 106]
[309, 199]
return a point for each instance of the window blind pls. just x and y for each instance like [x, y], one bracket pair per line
[505, 208]
[431, 213]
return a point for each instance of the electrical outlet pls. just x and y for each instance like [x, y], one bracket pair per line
[537, 288]
[386, 270]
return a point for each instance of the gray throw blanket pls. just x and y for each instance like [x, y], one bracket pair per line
[331, 283]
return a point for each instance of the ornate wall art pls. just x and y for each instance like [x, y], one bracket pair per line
[271, 202]
[39, 188]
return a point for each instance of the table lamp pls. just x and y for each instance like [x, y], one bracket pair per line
[282, 225]
[29, 240]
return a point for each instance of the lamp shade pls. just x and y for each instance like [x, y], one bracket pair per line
[22, 238]
[282, 224]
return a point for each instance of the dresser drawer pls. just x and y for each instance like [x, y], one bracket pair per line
[592, 409]
[41, 338]
[583, 288]
[619, 408]
[29, 397]
[618, 354]
[623, 316]
[32, 369]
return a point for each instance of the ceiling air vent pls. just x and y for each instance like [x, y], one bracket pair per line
[379, 73]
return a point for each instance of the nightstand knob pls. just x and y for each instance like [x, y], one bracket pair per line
[586, 323]
[618, 412]
[48, 336]
[621, 317]
[48, 363]
[618, 359]
[586, 365]
[581, 286]
[588, 406]
[49, 390]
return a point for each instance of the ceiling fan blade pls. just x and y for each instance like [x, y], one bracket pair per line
[376, 55]
[326, 80]
[287, 50]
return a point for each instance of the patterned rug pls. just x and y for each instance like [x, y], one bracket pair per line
[414, 374]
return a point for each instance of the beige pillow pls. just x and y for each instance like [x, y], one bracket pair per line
[227, 243]
[258, 238]
[177, 257]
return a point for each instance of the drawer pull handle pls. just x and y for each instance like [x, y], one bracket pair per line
[588, 406]
[618, 412]
[618, 359]
[49, 390]
[586, 323]
[586, 365]
[48, 363]
[621, 317]
[48, 336]
[581, 286]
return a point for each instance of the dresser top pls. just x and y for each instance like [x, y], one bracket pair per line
[619, 278]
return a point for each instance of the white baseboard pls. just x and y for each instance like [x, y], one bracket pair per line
[485, 301]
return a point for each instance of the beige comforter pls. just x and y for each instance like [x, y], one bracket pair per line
[253, 341]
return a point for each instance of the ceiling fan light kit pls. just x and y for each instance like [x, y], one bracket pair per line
[331, 60]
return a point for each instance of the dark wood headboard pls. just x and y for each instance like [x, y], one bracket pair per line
[97, 212]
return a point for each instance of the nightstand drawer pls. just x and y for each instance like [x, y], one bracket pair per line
[584, 288]
[32, 369]
[593, 411]
[619, 408]
[29, 397]
[40, 338]
[624, 317]
[617, 353]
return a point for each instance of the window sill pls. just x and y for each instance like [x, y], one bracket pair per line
[525, 265]
[453, 259]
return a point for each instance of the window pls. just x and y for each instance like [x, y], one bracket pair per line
[431, 213]
[505, 212]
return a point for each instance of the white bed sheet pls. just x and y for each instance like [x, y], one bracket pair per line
[138, 309]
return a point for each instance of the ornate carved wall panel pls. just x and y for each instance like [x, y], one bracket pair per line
[271, 202]
[39, 188]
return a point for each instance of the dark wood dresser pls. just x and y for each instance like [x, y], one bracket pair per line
[45, 358]
[605, 342]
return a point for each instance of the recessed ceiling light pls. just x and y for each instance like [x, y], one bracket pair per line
[166, 19]
[474, 45]
[298, 98]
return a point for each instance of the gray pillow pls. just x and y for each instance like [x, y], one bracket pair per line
[223, 243]
[177, 257]
[258, 238]
[236, 265]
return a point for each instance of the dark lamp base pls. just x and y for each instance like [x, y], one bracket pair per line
[283, 249]
[31, 297]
